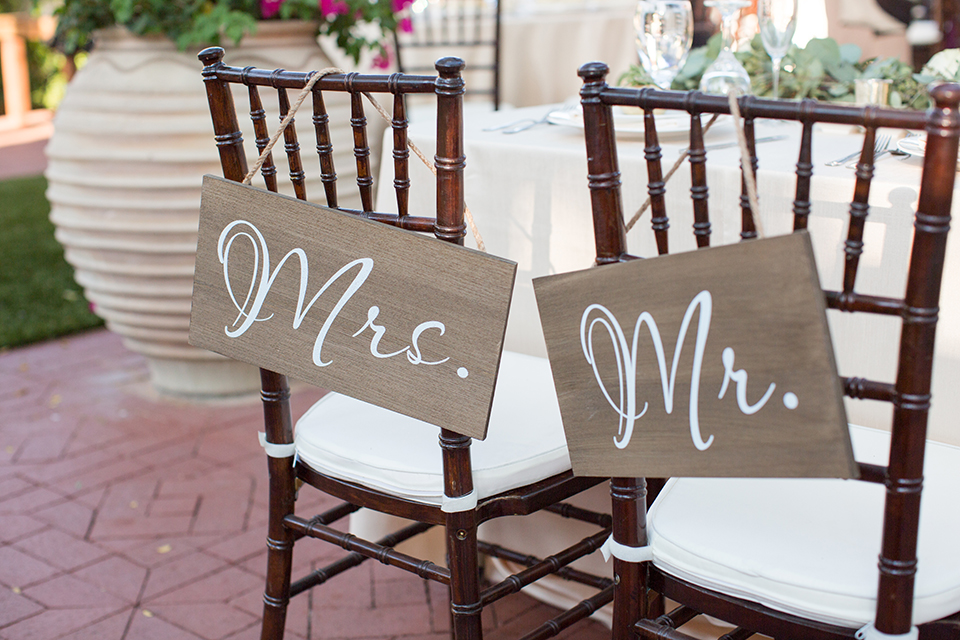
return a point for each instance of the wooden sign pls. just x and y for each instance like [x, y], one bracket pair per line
[712, 363]
[390, 317]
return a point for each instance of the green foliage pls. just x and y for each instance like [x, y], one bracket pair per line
[38, 296]
[823, 70]
[47, 82]
[194, 23]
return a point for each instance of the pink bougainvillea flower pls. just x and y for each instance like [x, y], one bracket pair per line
[269, 8]
[400, 5]
[333, 7]
[381, 62]
[406, 25]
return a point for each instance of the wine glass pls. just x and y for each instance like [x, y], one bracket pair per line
[664, 32]
[726, 72]
[778, 22]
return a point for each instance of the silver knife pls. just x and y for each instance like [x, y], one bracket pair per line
[734, 143]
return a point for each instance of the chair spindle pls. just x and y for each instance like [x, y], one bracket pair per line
[748, 227]
[698, 182]
[656, 186]
[292, 146]
[259, 119]
[321, 126]
[401, 156]
[801, 202]
[859, 208]
[361, 150]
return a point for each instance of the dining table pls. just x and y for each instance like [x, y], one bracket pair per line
[528, 195]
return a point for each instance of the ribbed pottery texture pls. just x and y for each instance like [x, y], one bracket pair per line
[132, 140]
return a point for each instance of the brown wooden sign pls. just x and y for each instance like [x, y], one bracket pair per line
[712, 363]
[406, 322]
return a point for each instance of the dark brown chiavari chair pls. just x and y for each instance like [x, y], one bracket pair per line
[731, 581]
[469, 29]
[382, 458]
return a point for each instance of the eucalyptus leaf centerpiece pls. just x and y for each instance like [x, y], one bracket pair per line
[823, 70]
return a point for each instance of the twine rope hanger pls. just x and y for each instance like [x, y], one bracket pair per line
[745, 163]
[468, 216]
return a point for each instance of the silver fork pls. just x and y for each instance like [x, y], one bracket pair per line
[880, 147]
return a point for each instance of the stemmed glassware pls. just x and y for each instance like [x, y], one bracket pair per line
[778, 22]
[726, 71]
[664, 33]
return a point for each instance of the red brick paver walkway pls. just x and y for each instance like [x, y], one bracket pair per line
[129, 516]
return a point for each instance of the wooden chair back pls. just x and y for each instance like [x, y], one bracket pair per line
[917, 308]
[234, 150]
[469, 29]
[447, 225]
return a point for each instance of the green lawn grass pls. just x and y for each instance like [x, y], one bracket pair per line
[38, 296]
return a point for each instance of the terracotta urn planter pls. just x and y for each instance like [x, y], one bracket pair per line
[132, 140]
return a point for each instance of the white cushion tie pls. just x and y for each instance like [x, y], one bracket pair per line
[277, 450]
[627, 554]
[870, 632]
[465, 502]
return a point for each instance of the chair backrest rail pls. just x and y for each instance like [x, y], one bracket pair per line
[335, 82]
[751, 106]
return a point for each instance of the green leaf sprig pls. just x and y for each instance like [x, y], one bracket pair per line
[191, 23]
[823, 70]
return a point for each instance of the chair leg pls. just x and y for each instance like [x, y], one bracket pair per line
[276, 409]
[276, 595]
[628, 503]
[465, 605]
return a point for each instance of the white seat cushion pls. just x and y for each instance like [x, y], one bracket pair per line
[399, 455]
[810, 547]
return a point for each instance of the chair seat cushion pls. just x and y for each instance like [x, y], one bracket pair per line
[359, 442]
[809, 547]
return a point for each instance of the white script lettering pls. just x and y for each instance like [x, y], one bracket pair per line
[626, 356]
[740, 378]
[413, 356]
[263, 277]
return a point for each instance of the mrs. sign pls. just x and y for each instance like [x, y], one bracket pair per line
[402, 321]
[716, 362]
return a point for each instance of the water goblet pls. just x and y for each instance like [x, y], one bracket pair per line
[664, 33]
[778, 23]
[726, 72]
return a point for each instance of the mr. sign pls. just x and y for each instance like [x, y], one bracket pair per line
[711, 363]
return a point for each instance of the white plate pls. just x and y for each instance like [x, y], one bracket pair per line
[917, 145]
[668, 124]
